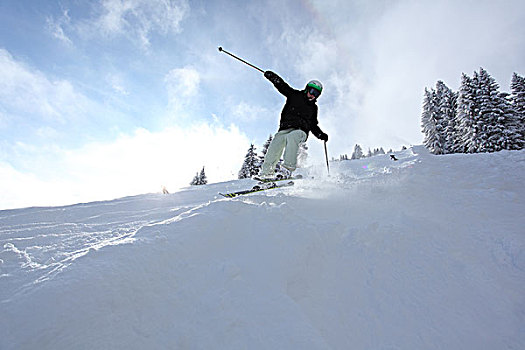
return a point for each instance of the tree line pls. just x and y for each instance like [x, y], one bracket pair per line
[358, 153]
[477, 118]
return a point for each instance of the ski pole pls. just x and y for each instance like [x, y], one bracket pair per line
[326, 156]
[240, 59]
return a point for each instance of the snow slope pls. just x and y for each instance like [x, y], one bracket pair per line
[423, 253]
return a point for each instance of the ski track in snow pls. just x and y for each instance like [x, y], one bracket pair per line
[420, 253]
[51, 239]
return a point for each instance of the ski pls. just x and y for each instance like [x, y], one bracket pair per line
[257, 188]
[277, 179]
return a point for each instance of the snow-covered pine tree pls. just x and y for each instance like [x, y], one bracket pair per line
[446, 100]
[466, 114]
[266, 145]
[358, 152]
[203, 178]
[517, 97]
[426, 127]
[453, 130]
[489, 125]
[513, 138]
[251, 165]
[432, 123]
[265, 149]
[195, 180]
[496, 118]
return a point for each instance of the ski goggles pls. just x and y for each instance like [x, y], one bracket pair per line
[314, 92]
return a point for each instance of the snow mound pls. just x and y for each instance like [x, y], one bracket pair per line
[426, 252]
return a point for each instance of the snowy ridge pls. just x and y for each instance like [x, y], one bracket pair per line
[423, 253]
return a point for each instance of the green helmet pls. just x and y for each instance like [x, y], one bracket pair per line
[314, 87]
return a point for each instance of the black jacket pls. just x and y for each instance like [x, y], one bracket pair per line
[298, 112]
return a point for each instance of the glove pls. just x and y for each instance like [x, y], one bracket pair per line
[323, 137]
[271, 76]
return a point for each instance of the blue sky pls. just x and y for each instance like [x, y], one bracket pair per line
[107, 98]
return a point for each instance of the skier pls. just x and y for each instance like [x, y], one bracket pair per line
[298, 118]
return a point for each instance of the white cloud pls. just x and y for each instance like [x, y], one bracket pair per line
[182, 82]
[117, 84]
[47, 132]
[3, 118]
[19, 189]
[55, 27]
[182, 85]
[249, 113]
[138, 19]
[138, 163]
[319, 54]
[28, 92]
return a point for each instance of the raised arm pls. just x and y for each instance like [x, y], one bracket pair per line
[279, 83]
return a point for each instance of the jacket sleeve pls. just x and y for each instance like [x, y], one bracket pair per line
[314, 128]
[279, 83]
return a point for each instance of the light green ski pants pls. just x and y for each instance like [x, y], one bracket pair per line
[287, 140]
